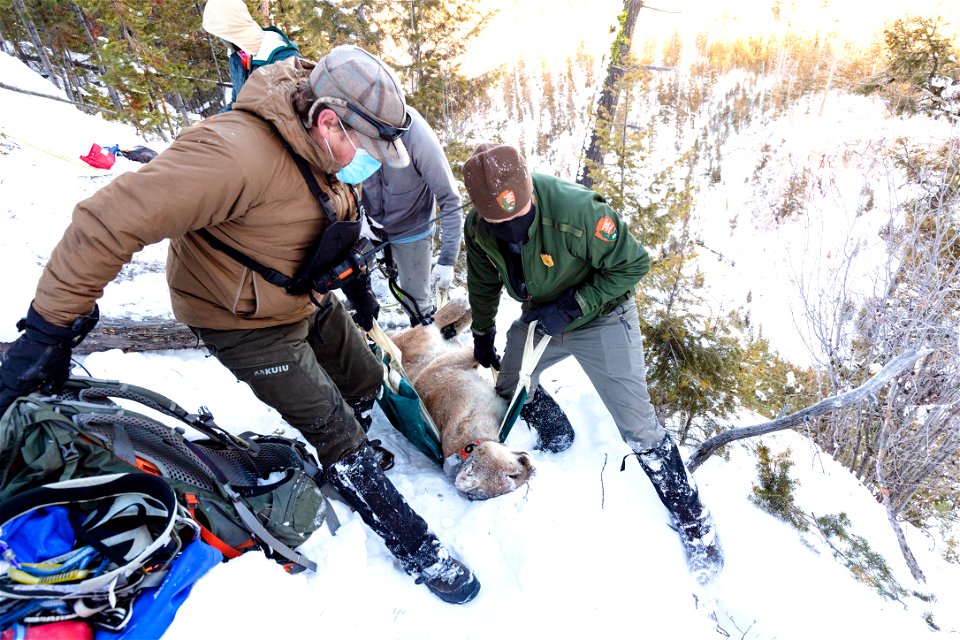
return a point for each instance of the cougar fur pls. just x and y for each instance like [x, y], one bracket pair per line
[464, 406]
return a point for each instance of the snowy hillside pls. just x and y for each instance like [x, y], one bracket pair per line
[800, 195]
[584, 550]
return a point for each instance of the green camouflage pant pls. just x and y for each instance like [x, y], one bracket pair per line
[307, 371]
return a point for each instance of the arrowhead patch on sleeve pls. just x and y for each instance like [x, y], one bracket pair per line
[606, 229]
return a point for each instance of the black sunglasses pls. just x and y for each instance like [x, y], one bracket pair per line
[387, 132]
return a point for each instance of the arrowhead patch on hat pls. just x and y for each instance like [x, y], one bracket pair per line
[507, 200]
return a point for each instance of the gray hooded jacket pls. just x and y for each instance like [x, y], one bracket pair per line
[403, 200]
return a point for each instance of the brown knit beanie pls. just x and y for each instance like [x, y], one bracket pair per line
[497, 180]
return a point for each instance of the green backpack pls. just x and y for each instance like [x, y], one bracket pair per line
[246, 492]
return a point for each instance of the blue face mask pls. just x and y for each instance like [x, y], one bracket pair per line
[360, 168]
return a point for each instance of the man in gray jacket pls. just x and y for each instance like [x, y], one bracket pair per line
[403, 201]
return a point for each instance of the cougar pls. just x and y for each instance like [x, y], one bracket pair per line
[464, 406]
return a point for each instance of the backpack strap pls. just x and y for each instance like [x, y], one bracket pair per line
[273, 276]
[90, 389]
[225, 488]
[114, 580]
[208, 536]
[68, 451]
[253, 524]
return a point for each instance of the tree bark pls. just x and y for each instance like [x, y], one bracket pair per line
[892, 369]
[150, 334]
[70, 80]
[95, 47]
[181, 106]
[27, 22]
[908, 556]
[607, 105]
[58, 99]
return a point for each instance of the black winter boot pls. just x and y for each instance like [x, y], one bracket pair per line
[363, 485]
[363, 412]
[553, 427]
[692, 520]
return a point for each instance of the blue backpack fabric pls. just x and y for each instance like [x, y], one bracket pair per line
[155, 607]
[38, 535]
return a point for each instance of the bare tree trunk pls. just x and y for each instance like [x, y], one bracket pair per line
[414, 50]
[70, 80]
[58, 99]
[95, 47]
[263, 8]
[27, 22]
[212, 43]
[607, 106]
[685, 430]
[868, 389]
[901, 540]
[182, 108]
[64, 79]
[895, 525]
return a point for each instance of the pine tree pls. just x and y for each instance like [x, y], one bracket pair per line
[692, 359]
[29, 26]
[316, 26]
[922, 69]
[425, 39]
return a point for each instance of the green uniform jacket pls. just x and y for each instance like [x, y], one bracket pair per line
[575, 240]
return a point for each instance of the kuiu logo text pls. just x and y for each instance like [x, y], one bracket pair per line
[269, 371]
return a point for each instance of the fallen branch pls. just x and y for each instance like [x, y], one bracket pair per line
[57, 98]
[150, 334]
[869, 388]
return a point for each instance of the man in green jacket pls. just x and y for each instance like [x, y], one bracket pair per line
[568, 257]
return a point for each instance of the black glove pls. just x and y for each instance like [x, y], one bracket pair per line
[484, 351]
[556, 315]
[40, 358]
[138, 154]
[365, 305]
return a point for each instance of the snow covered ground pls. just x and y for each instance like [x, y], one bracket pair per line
[583, 551]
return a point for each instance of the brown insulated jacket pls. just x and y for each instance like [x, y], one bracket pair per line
[230, 174]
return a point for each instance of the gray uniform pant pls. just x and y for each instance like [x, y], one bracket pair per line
[610, 350]
[413, 267]
[305, 371]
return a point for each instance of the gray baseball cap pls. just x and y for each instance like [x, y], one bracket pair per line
[367, 96]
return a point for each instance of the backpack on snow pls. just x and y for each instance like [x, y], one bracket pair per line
[246, 492]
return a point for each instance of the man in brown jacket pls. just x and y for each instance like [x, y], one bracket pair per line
[233, 195]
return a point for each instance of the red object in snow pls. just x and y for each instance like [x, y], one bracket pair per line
[68, 630]
[99, 157]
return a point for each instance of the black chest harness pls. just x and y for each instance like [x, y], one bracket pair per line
[339, 255]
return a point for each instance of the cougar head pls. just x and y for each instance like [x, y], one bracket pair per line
[492, 470]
